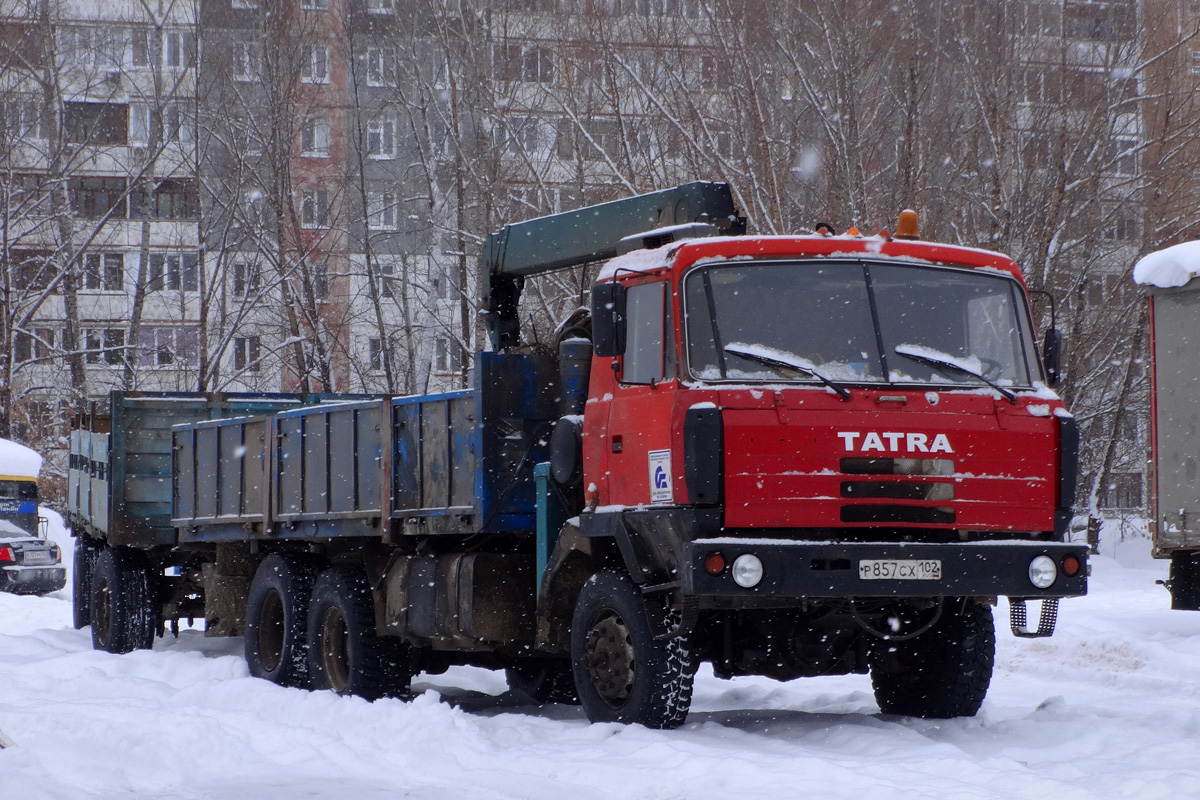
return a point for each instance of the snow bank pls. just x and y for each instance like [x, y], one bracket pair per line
[1107, 708]
[1170, 267]
[18, 460]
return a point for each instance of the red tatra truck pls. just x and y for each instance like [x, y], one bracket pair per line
[786, 456]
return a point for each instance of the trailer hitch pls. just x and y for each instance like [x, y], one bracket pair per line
[1019, 620]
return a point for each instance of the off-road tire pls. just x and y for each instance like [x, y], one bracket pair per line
[124, 616]
[550, 681]
[344, 653]
[942, 673]
[622, 673]
[276, 631]
[85, 555]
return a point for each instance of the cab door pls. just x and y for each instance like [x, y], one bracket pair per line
[641, 471]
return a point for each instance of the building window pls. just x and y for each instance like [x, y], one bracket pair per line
[23, 347]
[95, 123]
[177, 123]
[139, 123]
[166, 347]
[1121, 226]
[381, 137]
[33, 269]
[177, 272]
[515, 62]
[247, 353]
[141, 48]
[447, 355]
[43, 343]
[245, 3]
[380, 6]
[445, 280]
[174, 198]
[314, 5]
[384, 276]
[105, 345]
[104, 272]
[381, 211]
[314, 138]
[1122, 156]
[314, 208]
[375, 353]
[245, 60]
[246, 278]
[93, 198]
[314, 67]
[22, 119]
[178, 49]
[375, 67]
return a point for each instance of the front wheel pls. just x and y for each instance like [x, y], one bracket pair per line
[344, 652]
[622, 673]
[942, 673]
[123, 613]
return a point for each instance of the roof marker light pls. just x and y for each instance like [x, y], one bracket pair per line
[906, 226]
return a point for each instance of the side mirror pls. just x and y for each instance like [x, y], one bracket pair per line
[1052, 356]
[608, 319]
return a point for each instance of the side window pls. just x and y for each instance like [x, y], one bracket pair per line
[644, 312]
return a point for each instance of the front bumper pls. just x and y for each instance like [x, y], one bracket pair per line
[795, 569]
[32, 580]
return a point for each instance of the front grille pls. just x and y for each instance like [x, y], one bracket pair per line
[934, 467]
[892, 490]
[886, 513]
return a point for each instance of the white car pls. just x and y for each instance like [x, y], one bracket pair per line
[29, 564]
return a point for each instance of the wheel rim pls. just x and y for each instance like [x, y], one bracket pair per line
[335, 650]
[609, 659]
[270, 631]
[102, 610]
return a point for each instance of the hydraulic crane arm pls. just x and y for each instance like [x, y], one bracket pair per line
[574, 238]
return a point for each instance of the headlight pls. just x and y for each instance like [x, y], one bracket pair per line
[747, 571]
[1042, 572]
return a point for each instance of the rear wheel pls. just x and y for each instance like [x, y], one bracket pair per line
[942, 673]
[86, 553]
[123, 613]
[344, 653]
[276, 641]
[622, 673]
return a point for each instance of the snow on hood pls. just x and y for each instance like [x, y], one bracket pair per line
[18, 460]
[1170, 267]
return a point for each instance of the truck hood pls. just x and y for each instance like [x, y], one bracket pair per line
[803, 458]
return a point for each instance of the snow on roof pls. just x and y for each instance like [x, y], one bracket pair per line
[1172, 266]
[636, 261]
[18, 460]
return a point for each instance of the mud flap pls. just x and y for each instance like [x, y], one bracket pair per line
[1019, 620]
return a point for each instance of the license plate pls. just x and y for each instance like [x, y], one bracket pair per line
[892, 569]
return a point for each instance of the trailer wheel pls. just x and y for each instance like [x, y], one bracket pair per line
[86, 553]
[549, 681]
[942, 673]
[276, 643]
[622, 673]
[123, 616]
[344, 653]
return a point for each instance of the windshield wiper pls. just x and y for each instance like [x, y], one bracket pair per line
[934, 361]
[783, 365]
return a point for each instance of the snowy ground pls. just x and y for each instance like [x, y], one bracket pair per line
[1109, 707]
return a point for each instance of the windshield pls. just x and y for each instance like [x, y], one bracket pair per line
[856, 322]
